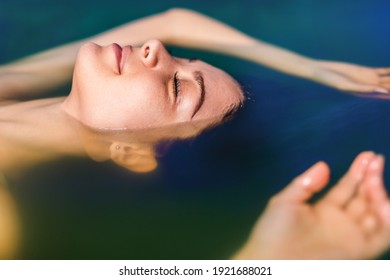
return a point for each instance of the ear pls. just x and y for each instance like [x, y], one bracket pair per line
[136, 158]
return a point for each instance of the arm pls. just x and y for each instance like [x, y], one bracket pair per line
[192, 29]
[36, 74]
[33, 76]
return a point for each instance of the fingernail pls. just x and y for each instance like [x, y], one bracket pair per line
[307, 177]
[306, 181]
[376, 171]
[382, 90]
[367, 159]
[359, 167]
[377, 162]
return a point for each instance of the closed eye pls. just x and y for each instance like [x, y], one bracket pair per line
[176, 85]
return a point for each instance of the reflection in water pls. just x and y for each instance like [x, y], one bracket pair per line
[38, 131]
[285, 139]
[134, 150]
[9, 223]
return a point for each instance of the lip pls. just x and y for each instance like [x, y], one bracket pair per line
[125, 54]
[118, 54]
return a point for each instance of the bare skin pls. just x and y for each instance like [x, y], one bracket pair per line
[36, 131]
[34, 76]
[49, 69]
[352, 221]
[9, 224]
[354, 78]
[25, 139]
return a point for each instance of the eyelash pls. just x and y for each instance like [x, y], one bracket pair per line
[176, 85]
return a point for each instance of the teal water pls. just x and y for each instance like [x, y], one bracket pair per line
[206, 194]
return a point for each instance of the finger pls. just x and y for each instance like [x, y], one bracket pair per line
[380, 205]
[357, 207]
[369, 224]
[303, 187]
[383, 90]
[368, 88]
[375, 189]
[344, 190]
[373, 185]
[380, 241]
[385, 85]
[382, 71]
[384, 80]
[384, 215]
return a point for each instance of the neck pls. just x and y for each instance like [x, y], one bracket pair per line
[35, 131]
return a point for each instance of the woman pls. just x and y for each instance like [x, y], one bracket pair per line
[126, 99]
[117, 86]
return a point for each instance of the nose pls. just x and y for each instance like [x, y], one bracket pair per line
[153, 52]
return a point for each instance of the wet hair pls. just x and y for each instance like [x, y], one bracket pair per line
[234, 108]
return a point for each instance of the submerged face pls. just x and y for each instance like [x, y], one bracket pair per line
[132, 88]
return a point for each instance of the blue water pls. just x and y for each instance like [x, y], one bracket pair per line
[207, 192]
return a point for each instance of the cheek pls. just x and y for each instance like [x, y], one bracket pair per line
[91, 72]
[124, 103]
[144, 102]
[107, 100]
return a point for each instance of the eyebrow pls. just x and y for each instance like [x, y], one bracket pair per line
[199, 80]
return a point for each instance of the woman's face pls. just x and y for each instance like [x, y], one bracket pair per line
[131, 88]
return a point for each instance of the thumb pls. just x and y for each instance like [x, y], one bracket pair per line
[303, 187]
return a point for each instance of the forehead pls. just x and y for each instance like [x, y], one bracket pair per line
[223, 93]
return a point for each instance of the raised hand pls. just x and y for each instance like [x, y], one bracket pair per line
[352, 221]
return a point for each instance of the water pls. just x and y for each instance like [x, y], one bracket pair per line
[207, 192]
